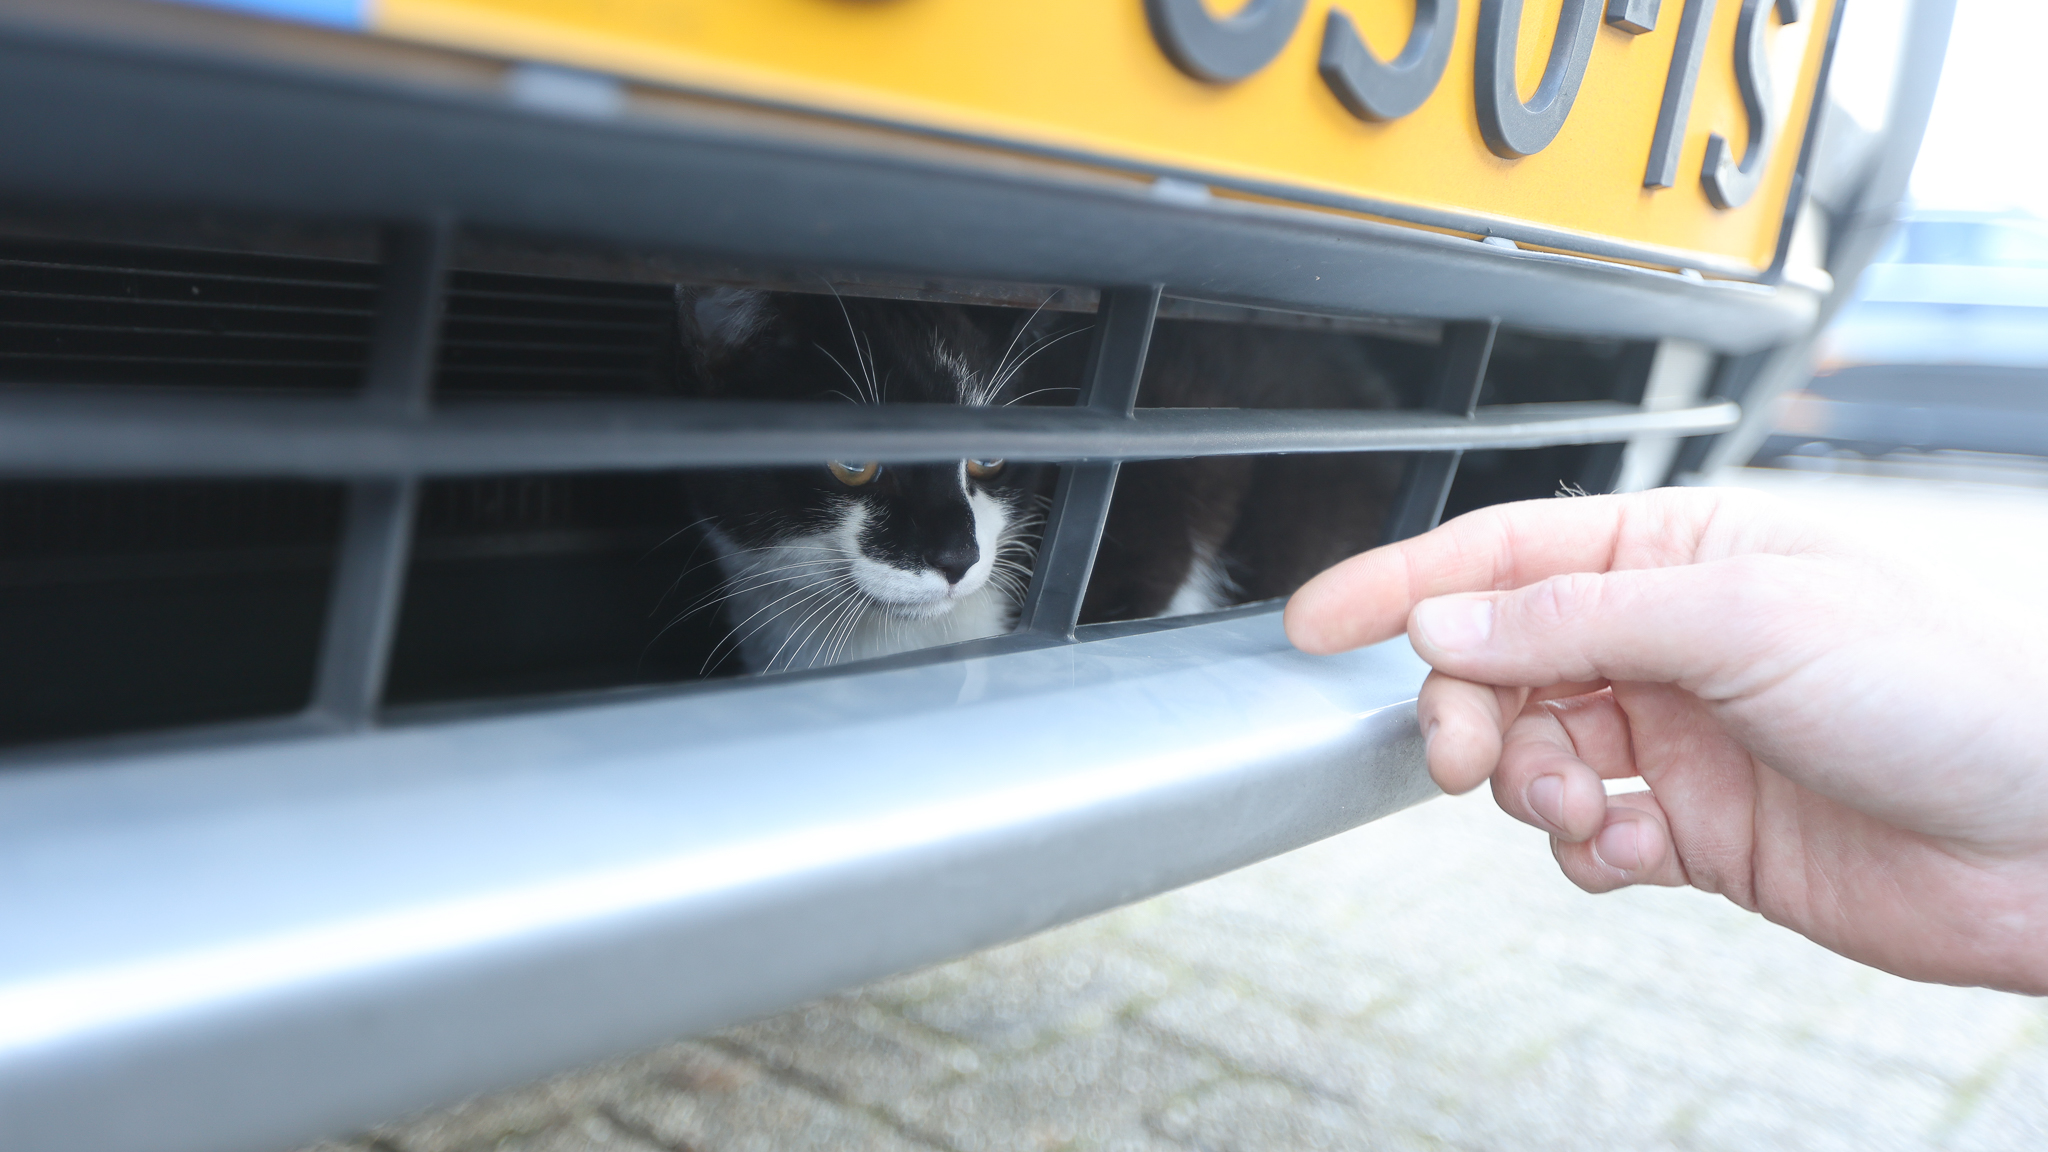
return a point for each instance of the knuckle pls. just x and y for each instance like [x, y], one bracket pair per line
[1576, 862]
[1562, 601]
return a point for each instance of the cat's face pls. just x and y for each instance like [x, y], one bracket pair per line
[912, 540]
[852, 558]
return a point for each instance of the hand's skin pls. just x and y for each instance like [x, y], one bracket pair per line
[1856, 754]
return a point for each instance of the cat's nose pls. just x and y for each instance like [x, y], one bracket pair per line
[953, 560]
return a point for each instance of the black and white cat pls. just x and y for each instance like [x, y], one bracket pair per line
[852, 559]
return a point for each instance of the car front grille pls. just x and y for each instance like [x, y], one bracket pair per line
[243, 483]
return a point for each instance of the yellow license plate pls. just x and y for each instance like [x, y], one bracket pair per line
[1538, 121]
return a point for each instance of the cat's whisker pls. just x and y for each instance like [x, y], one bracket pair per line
[822, 613]
[996, 376]
[854, 616]
[874, 385]
[670, 538]
[738, 641]
[829, 597]
[813, 591]
[751, 573]
[843, 368]
[841, 631]
[848, 607]
[715, 598]
[1003, 381]
[688, 561]
[861, 613]
[841, 301]
[864, 358]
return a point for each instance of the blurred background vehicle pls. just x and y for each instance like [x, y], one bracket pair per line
[1942, 348]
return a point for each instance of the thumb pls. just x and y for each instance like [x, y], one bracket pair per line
[1701, 626]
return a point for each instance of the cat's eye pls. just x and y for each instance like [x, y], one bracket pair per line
[983, 469]
[854, 475]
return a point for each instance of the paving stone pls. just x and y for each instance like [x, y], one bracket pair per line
[1256, 1036]
[695, 1097]
[1941, 1030]
[862, 1052]
[1748, 1117]
[2006, 1106]
[1576, 1095]
[485, 1122]
[587, 1133]
[1311, 975]
[1264, 1115]
[1018, 997]
[1088, 1092]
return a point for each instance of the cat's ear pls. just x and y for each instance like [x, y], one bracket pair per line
[725, 319]
[715, 324]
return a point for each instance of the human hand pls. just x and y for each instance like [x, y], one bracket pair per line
[1855, 751]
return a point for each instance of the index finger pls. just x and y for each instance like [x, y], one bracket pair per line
[1367, 598]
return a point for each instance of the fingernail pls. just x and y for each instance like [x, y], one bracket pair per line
[1546, 799]
[1429, 736]
[1454, 623]
[1619, 845]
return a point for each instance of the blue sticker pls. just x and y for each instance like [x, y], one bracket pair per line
[336, 13]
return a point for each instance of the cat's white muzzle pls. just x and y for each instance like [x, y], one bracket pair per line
[917, 595]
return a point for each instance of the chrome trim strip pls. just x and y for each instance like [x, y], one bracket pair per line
[238, 947]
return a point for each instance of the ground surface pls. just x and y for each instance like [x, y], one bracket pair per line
[1425, 982]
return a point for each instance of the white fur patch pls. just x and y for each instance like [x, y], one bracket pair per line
[1207, 586]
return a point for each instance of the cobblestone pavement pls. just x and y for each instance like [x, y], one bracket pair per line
[1426, 982]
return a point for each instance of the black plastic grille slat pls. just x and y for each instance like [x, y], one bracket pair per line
[88, 282]
[531, 335]
[78, 342]
[76, 313]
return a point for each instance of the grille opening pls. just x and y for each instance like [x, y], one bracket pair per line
[1191, 536]
[92, 313]
[1529, 368]
[526, 585]
[1503, 476]
[522, 585]
[533, 584]
[129, 605]
[1197, 535]
[1223, 364]
[1532, 368]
